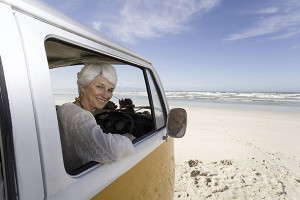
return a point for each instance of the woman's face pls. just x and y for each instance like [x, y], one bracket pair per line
[180, 118]
[96, 95]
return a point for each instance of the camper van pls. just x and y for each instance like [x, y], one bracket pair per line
[41, 51]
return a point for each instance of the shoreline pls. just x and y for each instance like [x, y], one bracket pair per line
[260, 106]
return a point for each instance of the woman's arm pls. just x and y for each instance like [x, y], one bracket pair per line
[91, 144]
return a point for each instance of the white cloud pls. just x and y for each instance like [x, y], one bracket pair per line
[282, 22]
[297, 46]
[288, 34]
[151, 19]
[269, 10]
[97, 25]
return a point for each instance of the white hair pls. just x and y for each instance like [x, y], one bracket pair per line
[91, 70]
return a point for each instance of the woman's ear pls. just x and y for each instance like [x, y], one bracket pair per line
[82, 89]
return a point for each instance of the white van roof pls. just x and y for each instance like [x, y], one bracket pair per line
[44, 12]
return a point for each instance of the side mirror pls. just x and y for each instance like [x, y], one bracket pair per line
[177, 121]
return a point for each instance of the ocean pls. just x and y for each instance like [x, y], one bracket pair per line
[276, 101]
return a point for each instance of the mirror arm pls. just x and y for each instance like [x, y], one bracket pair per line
[165, 137]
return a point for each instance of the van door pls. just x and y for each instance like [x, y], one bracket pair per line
[20, 133]
[38, 40]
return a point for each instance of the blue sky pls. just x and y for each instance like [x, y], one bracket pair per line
[204, 45]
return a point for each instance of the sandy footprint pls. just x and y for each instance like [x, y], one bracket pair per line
[228, 179]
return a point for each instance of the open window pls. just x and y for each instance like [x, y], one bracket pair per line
[136, 106]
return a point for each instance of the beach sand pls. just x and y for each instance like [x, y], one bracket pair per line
[238, 154]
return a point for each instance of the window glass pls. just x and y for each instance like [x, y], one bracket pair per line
[131, 85]
[1, 178]
[1, 148]
[160, 119]
[3, 130]
[64, 83]
[8, 189]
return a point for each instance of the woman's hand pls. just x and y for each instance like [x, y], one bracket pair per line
[130, 136]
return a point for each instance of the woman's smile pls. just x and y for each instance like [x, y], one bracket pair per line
[96, 95]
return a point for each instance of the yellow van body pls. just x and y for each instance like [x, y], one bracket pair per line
[156, 183]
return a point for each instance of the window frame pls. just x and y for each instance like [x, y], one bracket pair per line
[91, 165]
[7, 145]
[158, 90]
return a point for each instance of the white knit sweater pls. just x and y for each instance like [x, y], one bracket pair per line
[84, 141]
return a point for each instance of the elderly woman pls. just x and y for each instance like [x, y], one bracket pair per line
[82, 139]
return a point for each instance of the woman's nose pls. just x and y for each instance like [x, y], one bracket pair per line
[105, 94]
